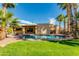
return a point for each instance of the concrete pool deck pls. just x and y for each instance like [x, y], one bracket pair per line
[8, 40]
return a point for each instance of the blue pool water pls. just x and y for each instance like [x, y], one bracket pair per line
[42, 37]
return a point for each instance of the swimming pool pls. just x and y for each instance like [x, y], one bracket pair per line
[49, 37]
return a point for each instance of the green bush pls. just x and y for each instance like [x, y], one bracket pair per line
[9, 30]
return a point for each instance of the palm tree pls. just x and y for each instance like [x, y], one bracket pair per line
[65, 19]
[14, 23]
[4, 9]
[3, 23]
[6, 6]
[7, 18]
[77, 26]
[67, 7]
[60, 19]
[74, 7]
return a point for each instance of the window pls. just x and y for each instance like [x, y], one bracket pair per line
[30, 30]
[18, 28]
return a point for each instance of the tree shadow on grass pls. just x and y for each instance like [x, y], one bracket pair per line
[70, 43]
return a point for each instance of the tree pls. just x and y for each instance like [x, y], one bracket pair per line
[67, 7]
[5, 6]
[3, 22]
[60, 19]
[77, 26]
[14, 23]
[75, 17]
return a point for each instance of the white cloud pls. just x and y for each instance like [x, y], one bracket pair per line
[26, 22]
[52, 21]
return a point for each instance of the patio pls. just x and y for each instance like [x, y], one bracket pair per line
[8, 40]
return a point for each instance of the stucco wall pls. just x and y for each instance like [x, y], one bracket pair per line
[42, 29]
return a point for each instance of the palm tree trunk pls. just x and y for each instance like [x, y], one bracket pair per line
[59, 26]
[64, 26]
[69, 16]
[4, 9]
[4, 12]
[75, 14]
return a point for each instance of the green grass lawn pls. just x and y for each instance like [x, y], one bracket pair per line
[41, 48]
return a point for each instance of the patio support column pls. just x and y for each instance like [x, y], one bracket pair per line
[23, 30]
[36, 30]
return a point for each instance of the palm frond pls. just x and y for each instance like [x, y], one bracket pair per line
[14, 22]
[9, 15]
[9, 5]
[62, 5]
[60, 18]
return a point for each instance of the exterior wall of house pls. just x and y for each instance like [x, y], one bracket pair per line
[39, 29]
[18, 30]
[52, 29]
[42, 29]
[57, 30]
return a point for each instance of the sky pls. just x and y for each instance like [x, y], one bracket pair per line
[37, 12]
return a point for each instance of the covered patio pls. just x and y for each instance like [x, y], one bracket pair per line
[25, 29]
[29, 29]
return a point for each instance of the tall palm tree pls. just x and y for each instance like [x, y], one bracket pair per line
[77, 26]
[74, 7]
[67, 7]
[5, 6]
[60, 19]
[3, 23]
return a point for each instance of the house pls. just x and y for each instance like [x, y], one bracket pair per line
[38, 29]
